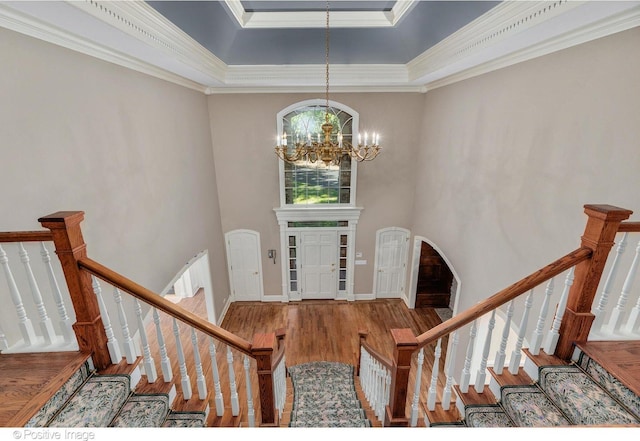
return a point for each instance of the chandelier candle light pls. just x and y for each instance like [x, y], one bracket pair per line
[327, 148]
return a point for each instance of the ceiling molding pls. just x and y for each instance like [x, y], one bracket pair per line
[620, 22]
[318, 19]
[27, 25]
[134, 35]
[514, 32]
[314, 75]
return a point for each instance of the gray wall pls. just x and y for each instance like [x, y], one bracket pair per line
[244, 129]
[508, 160]
[133, 152]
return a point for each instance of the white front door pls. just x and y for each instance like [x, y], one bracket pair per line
[319, 254]
[245, 266]
[391, 262]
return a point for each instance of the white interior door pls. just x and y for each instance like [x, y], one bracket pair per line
[319, 254]
[391, 262]
[245, 265]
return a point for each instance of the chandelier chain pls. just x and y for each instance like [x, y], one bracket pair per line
[327, 64]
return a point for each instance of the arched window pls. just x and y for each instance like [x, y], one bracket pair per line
[315, 184]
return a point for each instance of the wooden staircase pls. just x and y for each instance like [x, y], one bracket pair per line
[621, 359]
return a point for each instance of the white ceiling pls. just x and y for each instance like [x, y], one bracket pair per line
[268, 46]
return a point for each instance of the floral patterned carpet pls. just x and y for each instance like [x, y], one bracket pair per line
[324, 395]
[582, 394]
[90, 400]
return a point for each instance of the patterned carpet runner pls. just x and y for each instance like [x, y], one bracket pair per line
[89, 400]
[324, 395]
[581, 394]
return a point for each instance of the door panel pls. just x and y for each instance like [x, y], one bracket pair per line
[319, 252]
[245, 267]
[391, 257]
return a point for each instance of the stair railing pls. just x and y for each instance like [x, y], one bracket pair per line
[110, 340]
[616, 311]
[567, 323]
[374, 371]
[30, 325]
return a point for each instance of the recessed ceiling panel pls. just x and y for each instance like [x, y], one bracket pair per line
[213, 25]
[312, 5]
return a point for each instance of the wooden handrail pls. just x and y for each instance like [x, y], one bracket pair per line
[504, 296]
[377, 355]
[164, 305]
[25, 236]
[629, 227]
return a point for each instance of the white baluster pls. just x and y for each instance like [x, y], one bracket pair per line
[379, 389]
[149, 364]
[235, 404]
[387, 392]
[618, 312]
[536, 337]
[466, 370]
[46, 326]
[250, 411]
[364, 373]
[4, 343]
[498, 364]
[112, 342]
[130, 352]
[433, 387]
[200, 380]
[219, 400]
[65, 322]
[24, 322]
[633, 321]
[415, 403]
[185, 381]
[516, 355]
[599, 311]
[449, 368]
[482, 370]
[554, 333]
[376, 386]
[165, 362]
[281, 380]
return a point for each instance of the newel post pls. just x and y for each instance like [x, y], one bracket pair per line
[406, 345]
[262, 348]
[599, 234]
[70, 247]
[362, 337]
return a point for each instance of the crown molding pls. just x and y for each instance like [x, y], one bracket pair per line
[134, 35]
[318, 19]
[514, 32]
[315, 75]
[25, 24]
[613, 24]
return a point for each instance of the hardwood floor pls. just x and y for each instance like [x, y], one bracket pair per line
[321, 330]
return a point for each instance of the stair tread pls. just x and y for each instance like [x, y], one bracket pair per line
[582, 399]
[487, 416]
[143, 411]
[528, 406]
[185, 419]
[96, 403]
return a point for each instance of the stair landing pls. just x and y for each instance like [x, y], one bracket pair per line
[27, 381]
[620, 358]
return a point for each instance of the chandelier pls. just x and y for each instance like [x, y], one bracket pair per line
[328, 148]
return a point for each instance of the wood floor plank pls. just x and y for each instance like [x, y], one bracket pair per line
[27, 381]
